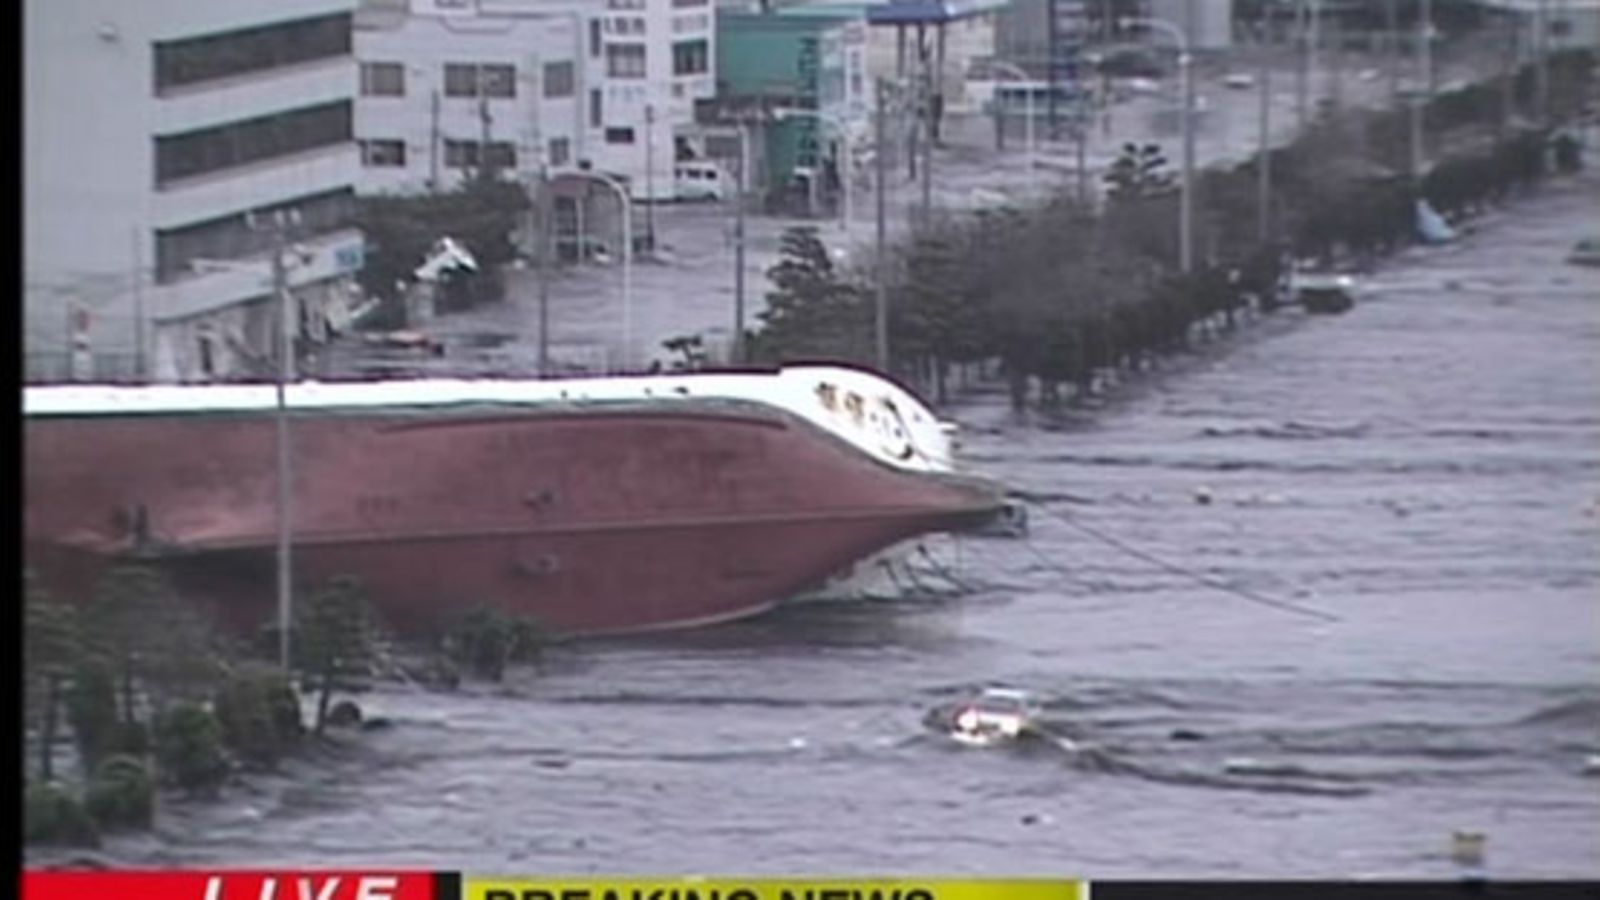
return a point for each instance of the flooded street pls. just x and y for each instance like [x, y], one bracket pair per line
[1424, 472]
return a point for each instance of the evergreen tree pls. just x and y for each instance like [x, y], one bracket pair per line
[50, 647]
[813, 313]
[334, 640]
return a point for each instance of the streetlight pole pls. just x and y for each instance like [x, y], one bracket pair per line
[1264, 152]
[627, 255]
[1186, 199]
[285, 459]
[738, 244]
[650, 177]
[1022, 77]
[1423, 91]
[880, 330]
[545, 263]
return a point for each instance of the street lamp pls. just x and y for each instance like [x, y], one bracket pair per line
[842, 130]
[627, 253]
[1186, 214]
[285, 457]
[1012, 69]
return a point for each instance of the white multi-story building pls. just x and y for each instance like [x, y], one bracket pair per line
[163, 140]
[446, 90]
[607, 85]
[652, 60]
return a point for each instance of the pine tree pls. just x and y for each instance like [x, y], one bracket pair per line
[50, 647]
[334, 640]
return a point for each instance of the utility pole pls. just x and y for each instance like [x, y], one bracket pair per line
[1264, 150]
[433, 147]
[138, 313]
[1423, 92]
[1541, 65]
[738, 244]
[881, 319]
[1186, 247]
[483, 124]
[1336, 88]
[285, 460]
[650, 176]
[545, 262]
[1082, 128]
[1426, 26]
[1391, 18]
[1302, 73]
[1508, 81]
[927, 145]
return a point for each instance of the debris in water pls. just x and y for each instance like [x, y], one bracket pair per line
[1185, 734]
[1591, 764]
[1466, 847]
[1202, 495]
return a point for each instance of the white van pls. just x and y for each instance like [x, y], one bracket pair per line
[700, 180]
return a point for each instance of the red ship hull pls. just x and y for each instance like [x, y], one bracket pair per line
[591, 520]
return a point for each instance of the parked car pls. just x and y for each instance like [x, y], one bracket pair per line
[700, 180]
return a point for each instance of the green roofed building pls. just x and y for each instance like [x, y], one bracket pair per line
[800, 71]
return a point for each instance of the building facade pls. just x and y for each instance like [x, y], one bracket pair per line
[164, 143]
[445, 92]
[604, 85]
[803, 72]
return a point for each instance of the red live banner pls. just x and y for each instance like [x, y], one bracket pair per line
[232, 885]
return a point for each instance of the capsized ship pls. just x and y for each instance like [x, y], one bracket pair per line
[595, 506]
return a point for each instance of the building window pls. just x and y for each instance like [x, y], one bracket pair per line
[594, 37]
[473, 80]
[619, 135]
[560, 151]
[559, 79]
[383, 153]
[625, 60]
[594, 108]
[461, 154]
[624, 4]
[383, 79]
[625, 25]
[691, 22]
[216, 56]
[231, 237]
[685, 4]
[460, 80]
[252, 140]
[690, 58]
[498, 80]
[471, 154]
[500, 155]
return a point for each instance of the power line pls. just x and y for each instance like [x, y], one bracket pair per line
[1202, 578]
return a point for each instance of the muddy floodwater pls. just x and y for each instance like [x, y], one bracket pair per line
[1424, 471]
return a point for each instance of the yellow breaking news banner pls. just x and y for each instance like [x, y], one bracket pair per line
[474, 888]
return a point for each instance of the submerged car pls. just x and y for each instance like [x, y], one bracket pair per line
[1322, 292]
[1585, 252]
[995, 716]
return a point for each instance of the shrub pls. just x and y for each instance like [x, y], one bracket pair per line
[485, 640]
[188, 744]
[52, 816]
[258, 712]
[121, 794]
